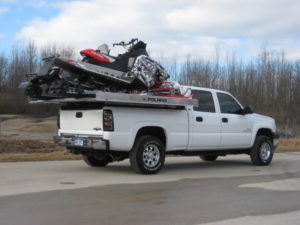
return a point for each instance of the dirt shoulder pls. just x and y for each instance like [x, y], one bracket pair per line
[15, 150]
[51, 156]
[24, 138]
[289, 145]
[9, 146]
[25, 127]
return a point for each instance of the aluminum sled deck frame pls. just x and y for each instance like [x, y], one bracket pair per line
[124, 99]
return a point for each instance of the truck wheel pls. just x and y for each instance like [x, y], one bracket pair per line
[209, 158]
[92, 161]
[262, 151]
[147, 155]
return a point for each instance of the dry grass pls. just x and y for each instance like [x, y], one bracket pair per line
[289, 145]
[9, 146]
[44, 127]
[29, 124]
[21, 157]
[17, 150]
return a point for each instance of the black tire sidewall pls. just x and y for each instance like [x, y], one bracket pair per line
[256, 151]
[141, 144]
[92, 161]
[209, 158]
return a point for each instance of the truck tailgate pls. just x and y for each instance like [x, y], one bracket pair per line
[81, 119]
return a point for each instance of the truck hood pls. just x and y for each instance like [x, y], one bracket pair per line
[261, 117]
[264, 120]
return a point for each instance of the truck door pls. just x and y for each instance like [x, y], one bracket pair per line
[205, 122]
[236, 128]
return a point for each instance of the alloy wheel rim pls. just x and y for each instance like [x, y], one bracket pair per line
[265, 151]
[151, 155]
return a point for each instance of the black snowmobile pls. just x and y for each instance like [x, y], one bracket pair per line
[133, 71]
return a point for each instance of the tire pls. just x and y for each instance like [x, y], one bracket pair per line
[208, 158]
[147, 155]
[262, 151]
[93, 162]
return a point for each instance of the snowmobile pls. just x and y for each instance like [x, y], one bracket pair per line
[131, 72]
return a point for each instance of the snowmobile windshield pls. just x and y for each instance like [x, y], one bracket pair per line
[48, 62]
[139, 49]
[104, 49]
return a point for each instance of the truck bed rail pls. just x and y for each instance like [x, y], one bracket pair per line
[110, 98]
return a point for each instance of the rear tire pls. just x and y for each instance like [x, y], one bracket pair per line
[208, 158]
[147, 155]
[93, 162]
[262, 151]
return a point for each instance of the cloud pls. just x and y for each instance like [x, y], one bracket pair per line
[3, 10]
[251, 18]
[172, 27]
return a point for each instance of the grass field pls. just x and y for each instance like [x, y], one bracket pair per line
[289, 145]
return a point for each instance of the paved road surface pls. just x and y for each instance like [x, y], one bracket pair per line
[187, 191]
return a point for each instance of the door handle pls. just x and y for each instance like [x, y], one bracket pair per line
[225, 120]
[199, 119]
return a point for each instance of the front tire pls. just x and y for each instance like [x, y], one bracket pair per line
[147, 155]
[262, 151]
[94, 162]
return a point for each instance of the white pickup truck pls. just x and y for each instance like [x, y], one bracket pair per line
[218, 126]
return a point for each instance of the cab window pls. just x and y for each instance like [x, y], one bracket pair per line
[228, 104]
[205, 100]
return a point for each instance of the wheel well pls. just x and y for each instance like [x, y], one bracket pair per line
[265, 132]
[154, 131]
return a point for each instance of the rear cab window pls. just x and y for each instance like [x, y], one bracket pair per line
[205, 100]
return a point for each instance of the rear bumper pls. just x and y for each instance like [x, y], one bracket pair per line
[82, 142]
[275, 140]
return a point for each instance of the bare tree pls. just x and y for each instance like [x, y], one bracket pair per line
[3, 70]
[53, 48]
[268, 82]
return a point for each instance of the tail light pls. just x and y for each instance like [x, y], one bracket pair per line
[108, 120]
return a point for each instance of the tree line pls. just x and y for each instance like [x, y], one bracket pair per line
[13, 67]
[269, 82]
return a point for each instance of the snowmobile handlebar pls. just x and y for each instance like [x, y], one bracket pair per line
[123, 43]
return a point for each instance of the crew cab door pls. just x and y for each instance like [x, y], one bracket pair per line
[236, 128]
[205, 122]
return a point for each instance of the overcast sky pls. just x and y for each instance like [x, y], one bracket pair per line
[170, 27]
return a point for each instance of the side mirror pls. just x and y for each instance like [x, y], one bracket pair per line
[247, 110]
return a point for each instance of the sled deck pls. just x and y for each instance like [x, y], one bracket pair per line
[123, 99]
[94, 70]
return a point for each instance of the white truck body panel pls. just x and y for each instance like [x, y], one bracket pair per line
[205, 134]
[184, 129]
[128, 121]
